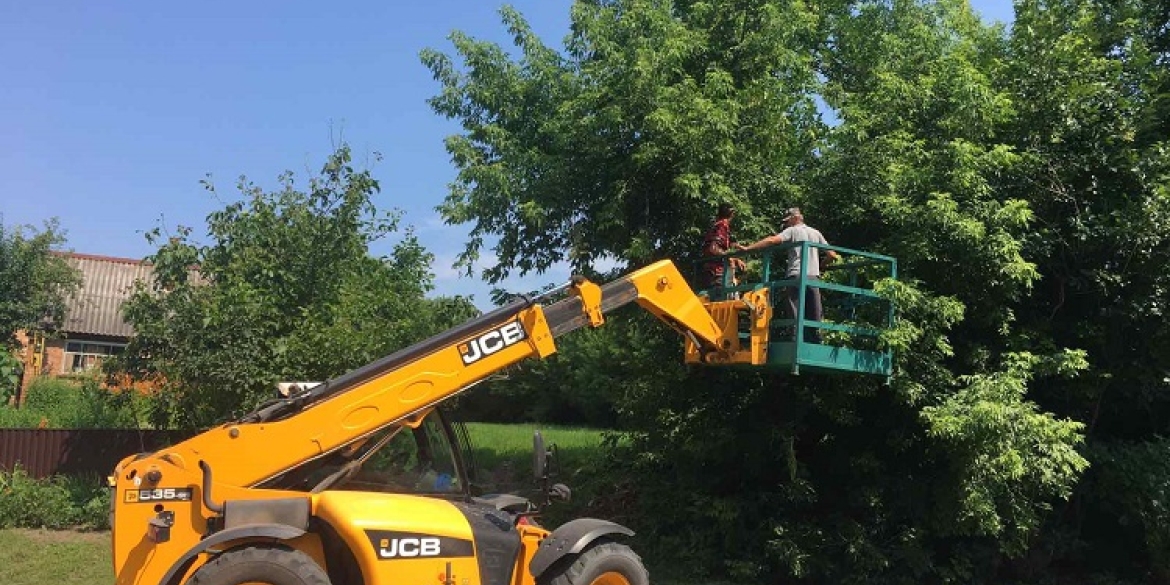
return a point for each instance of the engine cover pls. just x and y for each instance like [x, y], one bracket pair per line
[400, 538]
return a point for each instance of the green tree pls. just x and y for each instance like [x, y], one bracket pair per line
[620, 145]
[286, 289]
[35, 284]
[922, 167]
[1091, 84]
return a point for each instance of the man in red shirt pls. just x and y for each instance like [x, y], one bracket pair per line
[718, 242]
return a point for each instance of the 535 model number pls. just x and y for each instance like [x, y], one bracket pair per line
[158, 495]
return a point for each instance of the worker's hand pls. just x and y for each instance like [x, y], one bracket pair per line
[738, 264]
[739, 246]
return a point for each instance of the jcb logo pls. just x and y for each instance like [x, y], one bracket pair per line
[389, 545]
[390, 548]
[491, 342]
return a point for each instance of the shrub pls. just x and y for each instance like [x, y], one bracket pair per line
[57, 502]
[10, 369]
[75, 404]
[52, 396]
[90, 498]
[18, 418]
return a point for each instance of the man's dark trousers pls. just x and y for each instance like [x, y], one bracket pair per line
[812, 308]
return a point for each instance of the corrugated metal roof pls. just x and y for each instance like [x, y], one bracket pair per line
[106, 283]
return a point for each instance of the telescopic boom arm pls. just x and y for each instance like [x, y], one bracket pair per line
[288, 431]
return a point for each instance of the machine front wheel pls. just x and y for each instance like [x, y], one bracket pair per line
[266, 565]
[604, 563]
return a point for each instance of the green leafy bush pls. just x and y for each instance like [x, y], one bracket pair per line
[1127, 492]
[90, 497]
[52, 396]
[10, 368]
[77, 403]
[57, 502]
[18, 418]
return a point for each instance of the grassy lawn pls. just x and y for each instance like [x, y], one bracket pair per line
[39, 557]
[504, 452]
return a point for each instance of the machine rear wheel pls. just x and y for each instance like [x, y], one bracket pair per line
[261, 565]
[604, 563]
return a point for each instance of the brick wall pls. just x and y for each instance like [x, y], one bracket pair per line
[54, 357]
[52, 361]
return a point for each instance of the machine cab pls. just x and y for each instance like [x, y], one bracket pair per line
[422, 455]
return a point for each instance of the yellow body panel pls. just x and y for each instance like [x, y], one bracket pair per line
[530, 537]
[360, 517]
[139, 560]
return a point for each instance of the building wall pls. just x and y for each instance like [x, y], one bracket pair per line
[30, 360]
[54, 358]
[47, 361]
[51, 359]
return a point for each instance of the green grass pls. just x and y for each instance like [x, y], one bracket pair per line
[38, 557]
[503, 456]
[499, 445]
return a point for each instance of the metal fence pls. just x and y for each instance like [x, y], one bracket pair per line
[47, 452]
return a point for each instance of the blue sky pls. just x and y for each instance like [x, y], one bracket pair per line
[111, 113]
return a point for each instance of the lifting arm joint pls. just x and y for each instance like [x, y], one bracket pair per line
[590, 295]
[659, 288]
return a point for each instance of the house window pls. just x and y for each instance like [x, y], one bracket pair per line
[83, 355]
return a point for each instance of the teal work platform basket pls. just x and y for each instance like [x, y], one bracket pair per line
[854, 315]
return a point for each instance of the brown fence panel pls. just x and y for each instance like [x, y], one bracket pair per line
[46, 452]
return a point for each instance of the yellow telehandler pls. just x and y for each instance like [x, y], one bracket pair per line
[360, 480]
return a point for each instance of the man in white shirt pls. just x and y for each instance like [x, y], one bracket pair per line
[795, 230]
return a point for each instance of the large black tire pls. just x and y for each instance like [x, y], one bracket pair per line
[604, 562]
[268, 564]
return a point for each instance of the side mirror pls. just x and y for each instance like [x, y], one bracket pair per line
[539, 456]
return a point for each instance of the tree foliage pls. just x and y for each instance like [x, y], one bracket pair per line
[34, 283]
[285, 289]
[619, 145]
[1090, 80]
[1019, 177]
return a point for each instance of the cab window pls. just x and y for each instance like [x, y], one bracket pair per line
[396, 459]
[412, 461]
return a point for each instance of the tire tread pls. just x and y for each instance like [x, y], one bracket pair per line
[303, 569]
[572, 574]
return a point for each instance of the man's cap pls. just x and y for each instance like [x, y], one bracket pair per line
[792, 212]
